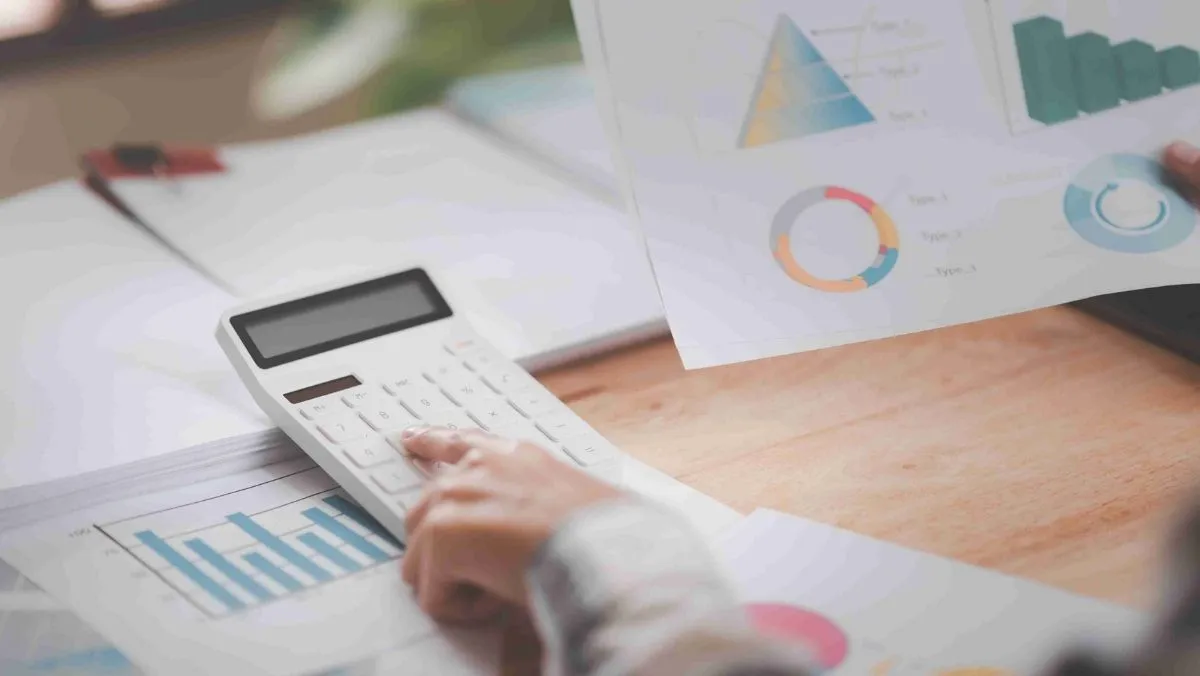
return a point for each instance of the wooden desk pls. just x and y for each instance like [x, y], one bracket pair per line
[1047, 445]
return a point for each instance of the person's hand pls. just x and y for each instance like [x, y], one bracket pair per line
[1183, 161]
[482, 518]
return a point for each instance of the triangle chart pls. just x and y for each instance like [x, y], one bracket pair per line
[798, 93]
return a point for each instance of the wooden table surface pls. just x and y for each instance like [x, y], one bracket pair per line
[1047, 445]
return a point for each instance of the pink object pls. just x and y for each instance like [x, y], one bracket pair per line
[862, 201]
[824, 639]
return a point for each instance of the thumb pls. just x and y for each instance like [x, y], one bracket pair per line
[1183, 160]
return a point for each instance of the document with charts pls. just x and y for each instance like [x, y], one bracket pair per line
[268, 571]
[809, 174]
[865, 607]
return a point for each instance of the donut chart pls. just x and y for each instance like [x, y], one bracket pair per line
[781, 233]
[824, 639]
[1120, 203]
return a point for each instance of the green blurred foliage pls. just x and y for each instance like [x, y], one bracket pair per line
[450, 39]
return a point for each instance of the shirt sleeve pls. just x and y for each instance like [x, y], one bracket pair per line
[627, 588]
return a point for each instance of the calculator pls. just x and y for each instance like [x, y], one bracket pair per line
[344, 369]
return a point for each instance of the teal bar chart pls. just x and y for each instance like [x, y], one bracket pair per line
[1094, 72]
[1065, 76]
[1046, 70]
[1180, 67]
[1137, 70]
[244, 550]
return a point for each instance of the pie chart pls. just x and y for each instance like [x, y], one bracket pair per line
[820, 636]
[1121, 203]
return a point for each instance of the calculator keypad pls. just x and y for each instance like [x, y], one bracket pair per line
[468, 387]
[384, 415]
[320, 408]
[369, 453]
[397, 478]
[359, 397]
[343, 428]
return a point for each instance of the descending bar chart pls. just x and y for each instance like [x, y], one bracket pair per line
[245, 549]
[1062, 71]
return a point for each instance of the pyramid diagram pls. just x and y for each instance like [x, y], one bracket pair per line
[798, 93]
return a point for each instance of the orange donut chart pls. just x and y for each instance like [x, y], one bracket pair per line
[781, 229]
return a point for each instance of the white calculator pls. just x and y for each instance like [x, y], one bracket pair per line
[344, 369]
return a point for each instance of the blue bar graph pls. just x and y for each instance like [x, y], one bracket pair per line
[330, 552]
[166, 551]
[258, 547]
[339, 530]
[280, 547]
[363, 519]
[264, 566]
[218, 561]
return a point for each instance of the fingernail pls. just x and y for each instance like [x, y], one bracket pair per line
[412, 432]
[1184, 152]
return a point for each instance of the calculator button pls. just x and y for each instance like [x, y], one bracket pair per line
[461, 346]
[369, 453]
[343, 429]
[445, 371]
[499, 418]
[418, 395]
[320, 408]
[451, 419]
[485, 362]
[358, 398]
[535, 402]
[397, 478]
[507, 380]
[561, 426]
[408, 499]
[588, 452]
[409, 384]
[426, 403]
[470, 392]
[384, 415]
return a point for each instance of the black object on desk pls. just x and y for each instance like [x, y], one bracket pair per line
[1167, 316]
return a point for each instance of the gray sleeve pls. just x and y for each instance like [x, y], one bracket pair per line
[627, 588]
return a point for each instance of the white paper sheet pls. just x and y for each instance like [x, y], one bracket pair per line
[862, 606]
[108, 356]
[542, 269]
[809, 174]
[166, 577]
[40, 636]
[180, 586]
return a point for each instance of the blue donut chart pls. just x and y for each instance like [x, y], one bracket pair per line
[1085, 201]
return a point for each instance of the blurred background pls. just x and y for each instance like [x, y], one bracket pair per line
[82, 74]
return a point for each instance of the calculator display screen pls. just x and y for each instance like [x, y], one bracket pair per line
[309, 326]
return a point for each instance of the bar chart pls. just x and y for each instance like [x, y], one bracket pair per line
[1070, 64]
[234, 552]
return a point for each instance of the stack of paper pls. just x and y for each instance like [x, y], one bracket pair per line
[109, 358]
